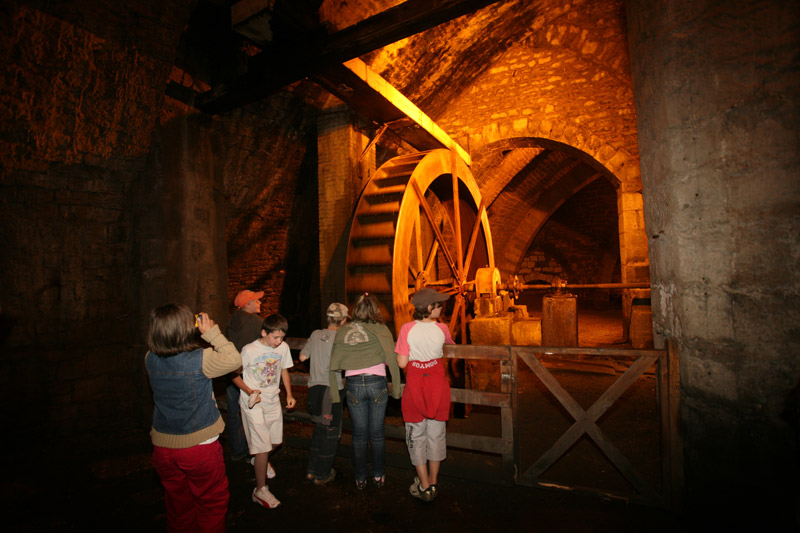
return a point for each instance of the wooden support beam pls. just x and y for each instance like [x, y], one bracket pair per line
[376, 99]
[278, 66]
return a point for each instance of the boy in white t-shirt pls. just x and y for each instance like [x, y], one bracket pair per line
[265, 363]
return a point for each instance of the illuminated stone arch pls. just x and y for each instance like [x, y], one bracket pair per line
[526, 203]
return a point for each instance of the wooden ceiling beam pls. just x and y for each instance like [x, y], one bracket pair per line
[376, 99]
[276, 67]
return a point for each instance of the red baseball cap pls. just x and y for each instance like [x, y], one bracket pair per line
[245, 297]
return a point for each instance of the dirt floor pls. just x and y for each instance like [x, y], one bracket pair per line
[112, 485]
[121, 491]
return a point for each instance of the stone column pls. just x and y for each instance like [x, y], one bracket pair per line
[181, 223]
[634, 263]
[716, 85]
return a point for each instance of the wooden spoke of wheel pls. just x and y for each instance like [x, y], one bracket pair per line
[439, 237]
[457, 214]
[473, 239]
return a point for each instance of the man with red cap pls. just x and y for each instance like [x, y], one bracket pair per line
[243, 328]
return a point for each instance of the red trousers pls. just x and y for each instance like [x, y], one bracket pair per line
[196, 486]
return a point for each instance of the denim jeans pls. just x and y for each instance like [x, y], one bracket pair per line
[237, 444]
[324, 441]
[367, 396]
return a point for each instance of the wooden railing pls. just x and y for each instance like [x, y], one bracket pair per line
[585, 421]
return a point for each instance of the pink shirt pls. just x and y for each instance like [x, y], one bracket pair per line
[378, 370]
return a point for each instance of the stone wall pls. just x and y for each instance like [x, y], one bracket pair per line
[579, 244]
[719, 140]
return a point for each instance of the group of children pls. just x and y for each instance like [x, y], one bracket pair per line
[186, 423]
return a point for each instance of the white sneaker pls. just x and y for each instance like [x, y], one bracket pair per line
[270, 471]
[265, 498]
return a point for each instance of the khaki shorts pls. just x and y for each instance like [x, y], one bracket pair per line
[426, 441]
[263, 426]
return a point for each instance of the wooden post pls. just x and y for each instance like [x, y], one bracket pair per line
[675, 439]
[508, 386]
[515, 414]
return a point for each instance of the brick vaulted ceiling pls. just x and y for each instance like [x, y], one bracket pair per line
[570, 70]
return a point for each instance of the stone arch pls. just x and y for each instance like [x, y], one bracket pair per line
[619, 162]
[521, 210]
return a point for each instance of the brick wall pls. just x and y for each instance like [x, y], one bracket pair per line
[269, 153]
[80, 103]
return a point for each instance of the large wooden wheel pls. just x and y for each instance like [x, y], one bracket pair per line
[419, 223]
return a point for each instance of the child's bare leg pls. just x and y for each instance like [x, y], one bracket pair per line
[260, 466]
[422, 474]
[433, 472]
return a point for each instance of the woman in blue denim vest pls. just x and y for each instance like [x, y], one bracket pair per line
[187, 454]
[363, 349]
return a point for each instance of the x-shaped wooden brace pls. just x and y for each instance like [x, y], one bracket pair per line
[585, 421]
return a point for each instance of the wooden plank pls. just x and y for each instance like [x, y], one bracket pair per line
[515, 416]
[492, 399]
[474, 351]
[675, 450]
[662, 394]
[507, 385]
[613, 352]
[479, 443]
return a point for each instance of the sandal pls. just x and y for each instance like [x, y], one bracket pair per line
[379, 481]
[361, 485]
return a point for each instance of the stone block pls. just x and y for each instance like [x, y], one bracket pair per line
[641, 328]
[488, 306]
[559, 321]
[526, 332]
[630, 202]
[490, 331]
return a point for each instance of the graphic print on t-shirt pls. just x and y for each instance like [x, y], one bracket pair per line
[266, 368]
